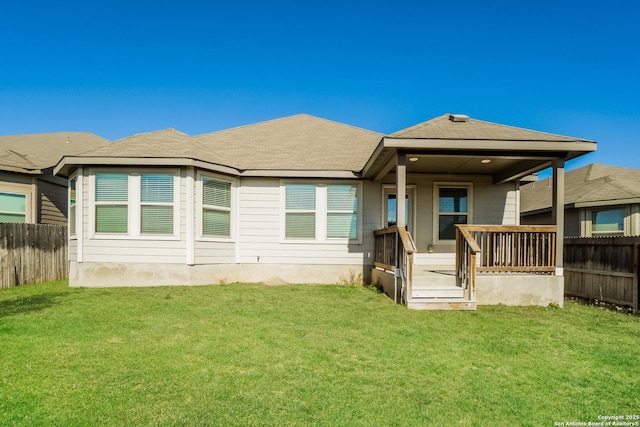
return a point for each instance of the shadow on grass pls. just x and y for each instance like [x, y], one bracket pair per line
[29, 304]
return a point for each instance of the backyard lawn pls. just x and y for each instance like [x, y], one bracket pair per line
[305, 355]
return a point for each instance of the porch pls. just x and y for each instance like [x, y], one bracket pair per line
[513, 265]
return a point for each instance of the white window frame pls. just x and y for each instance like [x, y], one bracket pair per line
[134, 204]
[200, 207]
[436, 207]
[73, 232]
[26, 204]
[321, 212]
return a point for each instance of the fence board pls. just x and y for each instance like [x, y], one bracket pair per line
[32, 253]
[604, 268]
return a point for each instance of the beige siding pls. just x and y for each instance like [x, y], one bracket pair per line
[73, 250]
[261, 240]
[572, 223]
[52, 201]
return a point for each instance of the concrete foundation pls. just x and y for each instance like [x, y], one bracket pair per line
[519, 289]
[133, 275]
[390, 284]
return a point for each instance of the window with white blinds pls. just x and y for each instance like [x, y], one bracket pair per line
[112, 203]
[216, 208]
[342, 211]
[156, 204]
[321, 212]
[134, 204]
[300, 211]
[13, 207]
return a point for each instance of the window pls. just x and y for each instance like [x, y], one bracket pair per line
[134, 205]
[342, 211]
[72, 205]
[216, 208]
[300, 212]
[111, 199]
[453, 208]
[156, 204]
[13, 207]
[321, 212]
[607, 222]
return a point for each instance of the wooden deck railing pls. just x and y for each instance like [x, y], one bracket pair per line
[394, 249]
[503, 249]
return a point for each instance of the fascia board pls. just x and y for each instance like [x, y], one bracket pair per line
[490, 145]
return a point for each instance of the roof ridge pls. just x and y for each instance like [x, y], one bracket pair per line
[429, 122]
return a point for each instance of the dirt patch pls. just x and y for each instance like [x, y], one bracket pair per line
[608, 305]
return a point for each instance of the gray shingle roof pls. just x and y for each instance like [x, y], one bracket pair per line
[44, 150]
[444, 128]
[167, 143]
[592, 183]
[299, 142]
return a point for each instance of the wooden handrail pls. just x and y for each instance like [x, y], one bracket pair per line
[407, 241]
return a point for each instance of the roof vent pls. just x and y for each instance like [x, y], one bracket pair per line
[458, 117]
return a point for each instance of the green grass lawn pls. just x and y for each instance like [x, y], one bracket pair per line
[304, 355]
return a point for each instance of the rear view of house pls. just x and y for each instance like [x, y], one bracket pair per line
[307, 200]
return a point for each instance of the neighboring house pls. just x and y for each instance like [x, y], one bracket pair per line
[29, 192]
[305, 200]
[600, 200]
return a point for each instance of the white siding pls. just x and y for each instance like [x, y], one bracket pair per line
[260, 236]
[131, 250]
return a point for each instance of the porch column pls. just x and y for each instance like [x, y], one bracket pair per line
[557, 212]
[401, 189]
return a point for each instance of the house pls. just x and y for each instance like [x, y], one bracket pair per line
[29, 192]
[600, 200]
[307, 200]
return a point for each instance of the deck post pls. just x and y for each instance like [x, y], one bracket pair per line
[401, 189]
[558, 212]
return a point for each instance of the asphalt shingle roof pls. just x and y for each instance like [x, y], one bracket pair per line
[592, 183]
[44, 150]
[300, 142]
[444, 128]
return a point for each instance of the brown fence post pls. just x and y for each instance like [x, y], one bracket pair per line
[636, 284]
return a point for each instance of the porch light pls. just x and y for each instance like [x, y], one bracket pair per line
[485, 161]
[413, 159]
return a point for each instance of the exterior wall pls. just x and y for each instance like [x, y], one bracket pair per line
[256, 252]
[52, 201]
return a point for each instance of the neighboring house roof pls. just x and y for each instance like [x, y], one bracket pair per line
[592, 185]
[35, 152]
[300, 142]
[460, 127]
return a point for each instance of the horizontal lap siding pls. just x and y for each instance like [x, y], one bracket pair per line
[52, 203]
[215, 252]
[495, 204]
[138, 250]
[260, 229]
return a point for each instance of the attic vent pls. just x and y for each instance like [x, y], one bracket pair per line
[458, 117]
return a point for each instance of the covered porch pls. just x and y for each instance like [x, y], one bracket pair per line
[456, 241]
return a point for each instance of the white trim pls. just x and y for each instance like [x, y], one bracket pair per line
[321, 212]
[436, 207]
[199, 206]
[626, 221]
[235, 214]
[134, 204]
[80, 215]
[190, 232]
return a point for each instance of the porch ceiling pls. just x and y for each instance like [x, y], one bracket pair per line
[503, 166]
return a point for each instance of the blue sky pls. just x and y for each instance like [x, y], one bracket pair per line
[117, 68]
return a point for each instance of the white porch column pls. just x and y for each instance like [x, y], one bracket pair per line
[557, 212]
[401, 189]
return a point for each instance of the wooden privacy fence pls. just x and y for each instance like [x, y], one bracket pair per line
[603, 268]
[32, 253]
